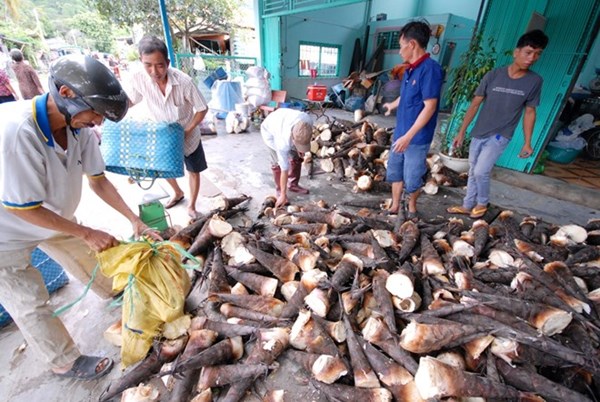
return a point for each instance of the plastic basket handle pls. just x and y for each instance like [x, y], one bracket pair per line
[141, 175]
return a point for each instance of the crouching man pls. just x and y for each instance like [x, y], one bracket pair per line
[287, 133]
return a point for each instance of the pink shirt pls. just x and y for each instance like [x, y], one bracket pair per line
[4, 79]
[29, 83]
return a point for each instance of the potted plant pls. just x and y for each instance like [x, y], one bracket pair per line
[475, 63]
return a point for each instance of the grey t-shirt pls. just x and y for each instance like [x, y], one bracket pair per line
[505, 100]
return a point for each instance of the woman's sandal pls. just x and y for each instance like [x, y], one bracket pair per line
[478, 212]
[86, 368]
[458, 209]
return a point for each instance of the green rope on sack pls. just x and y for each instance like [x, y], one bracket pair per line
[130, 287]
[85, 290]
[186, 254]
[119, 300]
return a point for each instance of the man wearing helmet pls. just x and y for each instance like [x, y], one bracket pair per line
[45, 148]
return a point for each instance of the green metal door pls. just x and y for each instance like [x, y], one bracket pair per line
[571, 29]
[271, 49]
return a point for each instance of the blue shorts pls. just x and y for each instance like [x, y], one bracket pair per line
[196, 161]
[408, 167]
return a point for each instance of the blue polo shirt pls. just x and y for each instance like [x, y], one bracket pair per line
[422, 81]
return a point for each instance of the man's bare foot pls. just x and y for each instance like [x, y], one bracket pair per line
[192, 213]
[393, 209]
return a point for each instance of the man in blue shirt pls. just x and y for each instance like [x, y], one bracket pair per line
[415, 119]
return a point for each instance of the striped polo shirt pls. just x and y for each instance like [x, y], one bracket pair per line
[179, 103]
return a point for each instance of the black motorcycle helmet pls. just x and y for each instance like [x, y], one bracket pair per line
[95, 85]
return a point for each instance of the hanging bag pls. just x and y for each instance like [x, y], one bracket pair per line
[143, 150]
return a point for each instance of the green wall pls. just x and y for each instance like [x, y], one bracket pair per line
[344, 24]
[589, 68]
[570, 32]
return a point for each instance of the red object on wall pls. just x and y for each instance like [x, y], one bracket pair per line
[316, 92]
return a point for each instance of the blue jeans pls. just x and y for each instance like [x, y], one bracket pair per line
[408, 166]
[483, 154]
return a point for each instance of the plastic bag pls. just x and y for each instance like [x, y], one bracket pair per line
[155, 286]
[577, 143]
[225, 94]
[199, 64]
[576, 127]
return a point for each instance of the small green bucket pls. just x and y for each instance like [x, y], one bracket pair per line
[153, 214]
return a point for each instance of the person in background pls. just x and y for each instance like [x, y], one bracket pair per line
[172, 96]
[416, 118]
[7, 92]
[505, 93]
[29, 82]
[45, 148]
[287, 133]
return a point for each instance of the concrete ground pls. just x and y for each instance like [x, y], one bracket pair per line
[238, 164]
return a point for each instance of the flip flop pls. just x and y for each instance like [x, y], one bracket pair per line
[174, 201]
[478, 212]
[458, 209]
[84, 368]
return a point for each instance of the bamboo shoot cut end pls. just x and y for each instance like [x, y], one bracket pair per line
[552, 321]
[288, 289]
[407, 304]
[433, 379]
[329, 369]
[318, 301]
[239, 289]
[400, 285]
[237, 346]
[218, 227]
[274, 395]
[205, 395]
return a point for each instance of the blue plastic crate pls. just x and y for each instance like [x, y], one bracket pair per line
[54, 277]
[220, 74]
[209, 81]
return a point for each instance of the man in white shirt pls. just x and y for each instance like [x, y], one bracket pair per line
[172, 96]
[287, 133]
[45, 148]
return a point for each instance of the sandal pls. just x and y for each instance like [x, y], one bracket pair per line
[173, 202]
[458, 209]
[478, 212]
[86, 368]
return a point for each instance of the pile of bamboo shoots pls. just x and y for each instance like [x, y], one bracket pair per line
[373, 310]
[360, 153]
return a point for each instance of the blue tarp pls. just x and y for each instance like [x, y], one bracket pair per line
[225, 94]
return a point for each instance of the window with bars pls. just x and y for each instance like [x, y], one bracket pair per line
[321, 57]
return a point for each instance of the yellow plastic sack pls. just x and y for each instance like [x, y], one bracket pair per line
[155, 286]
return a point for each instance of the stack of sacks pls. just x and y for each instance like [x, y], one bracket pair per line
[258, 89]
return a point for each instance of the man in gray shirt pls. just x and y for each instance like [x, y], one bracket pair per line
[505, 93]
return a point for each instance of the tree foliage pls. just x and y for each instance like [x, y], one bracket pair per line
[474, 64]
[19, 24]
[185, 16]
[96, 29]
